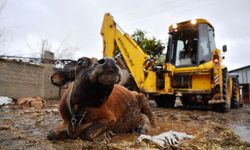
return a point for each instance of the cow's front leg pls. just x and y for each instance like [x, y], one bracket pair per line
[59, 133]
[75, 132]
[95, 129]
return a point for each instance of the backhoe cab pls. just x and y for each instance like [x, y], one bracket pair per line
[193, 67]
[190, 43]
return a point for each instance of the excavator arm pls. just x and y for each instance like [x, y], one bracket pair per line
[133, 55]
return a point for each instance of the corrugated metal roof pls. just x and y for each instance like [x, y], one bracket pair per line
[244, 74]
[248, 66]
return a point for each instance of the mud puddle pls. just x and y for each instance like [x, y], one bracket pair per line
[243, 131]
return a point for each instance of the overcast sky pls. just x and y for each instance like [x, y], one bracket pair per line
[76, 24]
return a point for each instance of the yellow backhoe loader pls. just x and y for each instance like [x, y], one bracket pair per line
[192, 69]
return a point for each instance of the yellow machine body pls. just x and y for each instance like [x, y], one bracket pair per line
[206, 78]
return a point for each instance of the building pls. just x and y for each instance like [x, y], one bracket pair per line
[244, 80]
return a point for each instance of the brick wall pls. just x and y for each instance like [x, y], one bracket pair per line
[18, 79]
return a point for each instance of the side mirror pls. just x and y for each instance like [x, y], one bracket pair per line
[224, 48]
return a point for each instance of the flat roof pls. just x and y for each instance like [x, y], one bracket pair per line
[188, 23]
[241, 68]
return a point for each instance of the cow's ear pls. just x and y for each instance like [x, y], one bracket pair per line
[59, 78]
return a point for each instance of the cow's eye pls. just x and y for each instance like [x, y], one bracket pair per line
[79, 62]
[82, 62]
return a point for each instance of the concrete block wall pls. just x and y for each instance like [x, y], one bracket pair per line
[18, 79]
[49, 91]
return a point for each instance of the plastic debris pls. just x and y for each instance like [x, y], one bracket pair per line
[5, 100]
[166, 138]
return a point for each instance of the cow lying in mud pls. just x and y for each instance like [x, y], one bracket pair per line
[94, 103]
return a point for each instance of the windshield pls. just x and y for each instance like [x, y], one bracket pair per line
[184, 48]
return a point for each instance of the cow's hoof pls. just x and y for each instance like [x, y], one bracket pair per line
[52, 136]
[85, 136]
[141, 130]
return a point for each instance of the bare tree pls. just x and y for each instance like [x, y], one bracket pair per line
[34, 48]
[4, 44]
[2, 4]
[65, 50]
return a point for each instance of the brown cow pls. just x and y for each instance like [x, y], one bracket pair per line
[94, 103]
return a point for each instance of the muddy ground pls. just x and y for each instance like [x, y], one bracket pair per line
[26, 129]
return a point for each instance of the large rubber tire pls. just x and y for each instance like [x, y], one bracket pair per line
[224, 107]
[235, 99]
[165, 101]
[186, 101]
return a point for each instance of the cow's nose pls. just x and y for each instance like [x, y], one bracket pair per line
[106, 61]
[101, 61]
[108, 64]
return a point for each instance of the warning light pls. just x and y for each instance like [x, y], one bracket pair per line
[216, 60]
[193, 21]
[174, 26]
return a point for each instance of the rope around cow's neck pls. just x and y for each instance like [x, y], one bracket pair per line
[74, 116]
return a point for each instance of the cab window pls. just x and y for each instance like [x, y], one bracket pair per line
[204, 44]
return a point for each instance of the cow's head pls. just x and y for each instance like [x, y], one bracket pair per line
[93, 80]
[104, 71]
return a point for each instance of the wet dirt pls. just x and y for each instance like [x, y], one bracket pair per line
[27, 128]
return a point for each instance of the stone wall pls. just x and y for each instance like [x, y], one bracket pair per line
[18, 79]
